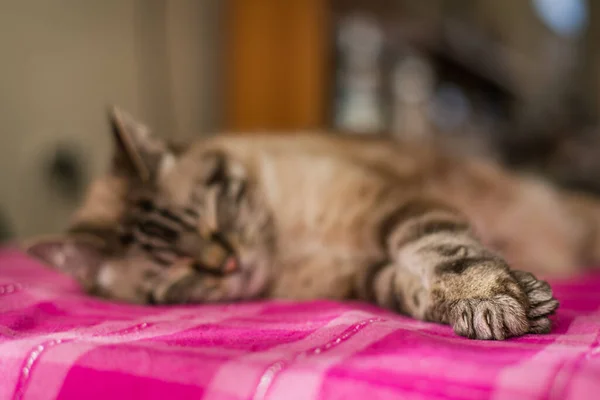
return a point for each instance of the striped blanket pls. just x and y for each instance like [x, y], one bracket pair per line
[56, 343]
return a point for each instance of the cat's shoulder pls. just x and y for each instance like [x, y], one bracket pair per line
[297, 142]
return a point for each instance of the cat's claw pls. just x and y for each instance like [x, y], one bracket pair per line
[542, 303]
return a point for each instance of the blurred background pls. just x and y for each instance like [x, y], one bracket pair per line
[517, 81]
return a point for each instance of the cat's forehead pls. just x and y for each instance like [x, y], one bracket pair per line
[176, 178]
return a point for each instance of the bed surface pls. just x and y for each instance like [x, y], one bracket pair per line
[57, 343]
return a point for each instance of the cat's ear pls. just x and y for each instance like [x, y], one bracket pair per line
[80, 257]
[137, 153]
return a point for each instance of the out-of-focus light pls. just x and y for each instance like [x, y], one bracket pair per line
[450, 108]
[564, 17]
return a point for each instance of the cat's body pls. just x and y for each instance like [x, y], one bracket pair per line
[305, 216]
[308, 177]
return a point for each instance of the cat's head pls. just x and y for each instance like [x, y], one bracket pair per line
[160, 203]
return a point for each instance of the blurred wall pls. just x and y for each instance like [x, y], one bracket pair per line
[64, 61]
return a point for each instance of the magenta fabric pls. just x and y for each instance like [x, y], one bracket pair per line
[56, 342]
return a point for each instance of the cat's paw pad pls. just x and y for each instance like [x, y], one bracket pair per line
[542, 303]
[496, 318]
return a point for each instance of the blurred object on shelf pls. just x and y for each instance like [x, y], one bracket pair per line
[428, 79]
[359, 48]
[507, 83]
[412, 84]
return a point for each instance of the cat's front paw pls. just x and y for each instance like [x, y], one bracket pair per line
[524, 308]
[497, 318]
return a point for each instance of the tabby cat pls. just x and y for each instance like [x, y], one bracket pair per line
[306, 216]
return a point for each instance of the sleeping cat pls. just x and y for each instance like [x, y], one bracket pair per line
[306, 216]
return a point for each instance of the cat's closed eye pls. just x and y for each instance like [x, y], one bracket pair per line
[210, 253]
[168, 235]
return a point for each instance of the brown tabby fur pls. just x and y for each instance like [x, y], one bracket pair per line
[307, 216]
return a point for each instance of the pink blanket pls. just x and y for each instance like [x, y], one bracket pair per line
[57, 343]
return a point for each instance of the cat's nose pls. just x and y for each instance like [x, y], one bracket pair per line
[230, 265]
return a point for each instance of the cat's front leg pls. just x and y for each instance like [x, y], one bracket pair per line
[439, 271]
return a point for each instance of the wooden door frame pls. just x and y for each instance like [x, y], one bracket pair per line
[276, 61]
